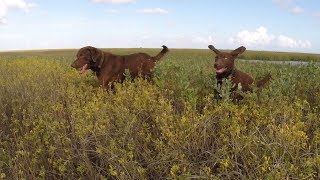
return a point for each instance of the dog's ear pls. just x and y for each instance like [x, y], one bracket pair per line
[94, 53]
[214, 49]
[97, 56]
[238, 51]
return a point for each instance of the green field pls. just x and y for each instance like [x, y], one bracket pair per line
[249, 54]
[57, 124]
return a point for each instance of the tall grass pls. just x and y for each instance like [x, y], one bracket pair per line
[188, 53]
[56, 124]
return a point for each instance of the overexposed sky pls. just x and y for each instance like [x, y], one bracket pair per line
[276, 25]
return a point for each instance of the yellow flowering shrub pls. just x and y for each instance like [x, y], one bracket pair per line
[56, 124]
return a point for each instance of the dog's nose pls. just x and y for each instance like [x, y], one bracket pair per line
[215, 65]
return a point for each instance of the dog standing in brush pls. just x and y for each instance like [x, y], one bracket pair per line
[225, 69]
[110, 68]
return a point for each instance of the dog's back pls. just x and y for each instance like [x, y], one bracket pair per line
[138, 64]
[142, 63]
[109, 67]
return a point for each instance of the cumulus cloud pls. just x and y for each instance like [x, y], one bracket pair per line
[10, 36]
[283, 3]
[316, 14]
[258, 37]
[8, 5]
[288, 42]
[290, 6]
[149, 39]
[261, 37]
[112, 11]
[202, 40]
[297, 10]
[114, 1]
[153, 11]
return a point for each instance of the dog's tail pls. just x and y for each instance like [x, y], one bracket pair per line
[161, 53]
[261, 83]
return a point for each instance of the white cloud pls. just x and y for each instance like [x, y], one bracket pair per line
[153, 11]
[112, 11]
[8, 5]
[202, 40]
[297, 10]
[288, 42]
[290, 6]
[260, 38]
[3, 20]
[18, 4]
[150, 39]
[283, 3]
[114, 1]
[316, 14]
[11, 36]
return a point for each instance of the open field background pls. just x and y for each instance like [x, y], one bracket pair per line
[56, 124]
[249, 55]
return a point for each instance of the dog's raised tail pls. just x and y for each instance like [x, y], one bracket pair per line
[161, 53]
[261, 83]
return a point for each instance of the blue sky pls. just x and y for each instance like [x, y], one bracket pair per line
[276, 25]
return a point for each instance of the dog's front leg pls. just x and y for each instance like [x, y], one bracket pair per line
[105, 81]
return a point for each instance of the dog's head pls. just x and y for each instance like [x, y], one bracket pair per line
[88, 58]
[224, 62]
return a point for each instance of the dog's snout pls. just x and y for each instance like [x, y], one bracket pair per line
[73, 65]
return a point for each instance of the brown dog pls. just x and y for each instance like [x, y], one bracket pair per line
[224, 68]
[110, 68]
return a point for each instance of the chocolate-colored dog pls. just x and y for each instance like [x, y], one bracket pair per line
[224, 67]
[109, 67]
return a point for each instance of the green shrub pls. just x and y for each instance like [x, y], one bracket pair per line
[56, 124]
